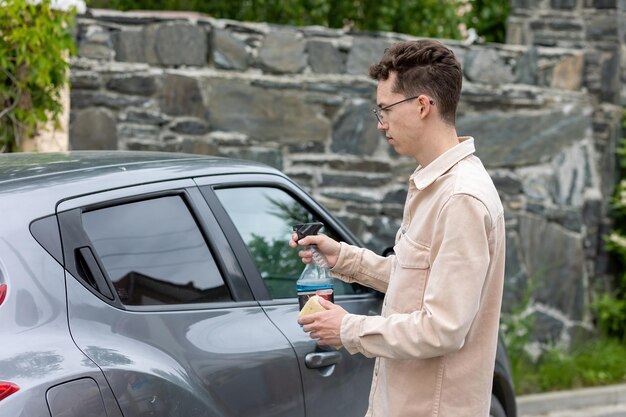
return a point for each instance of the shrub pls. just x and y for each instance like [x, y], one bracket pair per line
[34, 44]
[431, 18]
[610, 306]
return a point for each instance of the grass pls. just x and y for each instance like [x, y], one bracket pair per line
[594, 363]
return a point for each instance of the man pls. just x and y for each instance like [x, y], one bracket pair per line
[435, 342]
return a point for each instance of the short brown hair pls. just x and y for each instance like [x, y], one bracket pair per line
[424, 66]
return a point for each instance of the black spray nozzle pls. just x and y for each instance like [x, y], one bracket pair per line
[307, 229]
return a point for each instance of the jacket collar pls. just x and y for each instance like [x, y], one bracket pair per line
[423, 177]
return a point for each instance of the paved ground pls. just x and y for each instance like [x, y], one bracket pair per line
[609, 411]
[589, 402]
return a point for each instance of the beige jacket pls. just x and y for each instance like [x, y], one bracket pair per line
[435, 343]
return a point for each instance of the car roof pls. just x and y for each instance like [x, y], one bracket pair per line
[19, 170]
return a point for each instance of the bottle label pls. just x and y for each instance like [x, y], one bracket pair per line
[326, 293]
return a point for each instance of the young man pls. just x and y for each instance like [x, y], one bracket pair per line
[435, 342]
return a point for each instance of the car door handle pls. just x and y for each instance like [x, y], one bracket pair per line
[322, 359]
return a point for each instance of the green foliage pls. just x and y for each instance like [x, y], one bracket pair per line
[429, 18]
[610, 307]
[489, 18]
[598, 362]
[34, 41]
[516, 330]
[279, 264]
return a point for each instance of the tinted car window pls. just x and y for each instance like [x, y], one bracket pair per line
[264, 217]
[154, 253]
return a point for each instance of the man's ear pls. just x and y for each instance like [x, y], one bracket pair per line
[424, 105]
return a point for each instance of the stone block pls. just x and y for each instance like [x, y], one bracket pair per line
[93, 129]
[506, 182]
[325, 57]
[307, 147]
[87, 80]
[486, 66]
[180, 43]
[516, 32]
[397, 196]
[602, 27]
[94, 42]
[547, 329]
[95, 51]
[349, 196]
[515, 277]
[181, 96]
[356, 179]
[303, 179]
[564, 4]
[554, 260]
[144, 116]
[610, 78]
[524, 137]
[271, 157]
[128, 132]
[132, 84]
[605, 4]
[80, 99]
[384, 235]
[283, 52]
[229, 52]
[365, 51]
[525, 4]
[199, 146]
[356, 224]
[568, 73]
[266, 114]
[526, 67]
[190, 126]
[355, 132]
[129, 45]
[565, 25]
[365, 165]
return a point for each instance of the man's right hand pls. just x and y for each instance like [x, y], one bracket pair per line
[326, 246]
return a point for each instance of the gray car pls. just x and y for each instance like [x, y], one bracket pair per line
[151, 284]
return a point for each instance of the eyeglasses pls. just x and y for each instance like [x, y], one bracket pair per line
[378, 112]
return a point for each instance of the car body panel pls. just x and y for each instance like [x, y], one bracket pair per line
[200, 362]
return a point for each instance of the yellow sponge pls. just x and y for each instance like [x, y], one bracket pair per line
[312, 306]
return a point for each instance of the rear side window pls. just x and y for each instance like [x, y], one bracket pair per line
[154, 253]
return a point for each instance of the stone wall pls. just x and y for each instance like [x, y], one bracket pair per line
[299, 99]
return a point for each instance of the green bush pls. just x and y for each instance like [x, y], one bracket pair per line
[610, 307]
[429, 18]
[34, 43]
[598, 362]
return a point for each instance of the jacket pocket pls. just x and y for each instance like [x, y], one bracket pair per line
[411, 254]
[405, 293]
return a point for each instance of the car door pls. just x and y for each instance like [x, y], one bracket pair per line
[262, 209]
[157, 300]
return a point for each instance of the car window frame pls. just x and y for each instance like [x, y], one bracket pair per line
[215, 240]
[208, 185]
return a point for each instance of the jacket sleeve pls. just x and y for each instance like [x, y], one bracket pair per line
[460, 259]
[361, 265]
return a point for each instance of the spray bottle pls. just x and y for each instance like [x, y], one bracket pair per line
[315, 278]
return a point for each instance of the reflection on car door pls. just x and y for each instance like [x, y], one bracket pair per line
[156, 302]
[335, 382]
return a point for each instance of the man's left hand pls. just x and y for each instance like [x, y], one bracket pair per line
[325, 326]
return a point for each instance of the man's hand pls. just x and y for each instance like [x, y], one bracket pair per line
[325, 326]
[326, 246]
